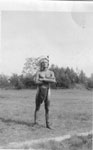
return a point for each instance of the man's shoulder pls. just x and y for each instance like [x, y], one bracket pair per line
[50, 71]
[38, 72]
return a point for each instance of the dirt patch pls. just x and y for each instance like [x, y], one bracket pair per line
[78, 141]
[75, 142]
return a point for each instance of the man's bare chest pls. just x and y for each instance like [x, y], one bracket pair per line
[45, 74]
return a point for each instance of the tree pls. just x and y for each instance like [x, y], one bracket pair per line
[31, 66]
[82, 77]
[90, 82]
[91, 76]
[62, 76]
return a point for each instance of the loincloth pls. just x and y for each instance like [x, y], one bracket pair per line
[42, 94]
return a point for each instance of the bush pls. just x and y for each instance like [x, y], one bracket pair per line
[4, 82]
[89, 84]
[28, 82]
[16, 81]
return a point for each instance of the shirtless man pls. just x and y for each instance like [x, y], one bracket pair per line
[43, 79]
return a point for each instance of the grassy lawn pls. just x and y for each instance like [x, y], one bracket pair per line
[70, 111]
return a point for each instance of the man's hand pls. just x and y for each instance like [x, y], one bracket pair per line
[49, 80]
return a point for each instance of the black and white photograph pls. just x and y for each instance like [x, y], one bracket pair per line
[46, 74]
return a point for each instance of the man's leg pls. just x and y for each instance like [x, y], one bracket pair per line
[36, 110]
[36, 115]
[47, 104]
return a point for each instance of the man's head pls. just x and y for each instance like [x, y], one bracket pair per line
[44, 63]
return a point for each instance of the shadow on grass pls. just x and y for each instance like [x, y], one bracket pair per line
[17, 122]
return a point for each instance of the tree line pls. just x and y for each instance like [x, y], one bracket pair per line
[65, 78]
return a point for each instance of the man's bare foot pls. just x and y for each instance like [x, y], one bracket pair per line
[35, 123]
[47, 126]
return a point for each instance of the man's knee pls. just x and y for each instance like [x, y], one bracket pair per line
[37, 107]
[47, 104]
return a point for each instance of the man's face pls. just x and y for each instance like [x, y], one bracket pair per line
[44, 65]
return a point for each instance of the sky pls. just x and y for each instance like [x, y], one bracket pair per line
[66, 36]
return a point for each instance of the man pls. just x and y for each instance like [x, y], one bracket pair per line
[43, 79]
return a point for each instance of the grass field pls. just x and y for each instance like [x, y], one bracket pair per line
[70, 111]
